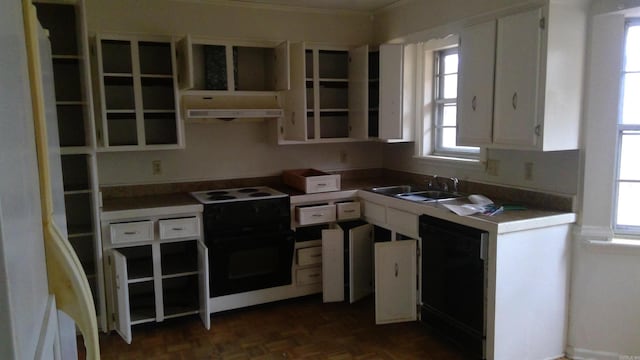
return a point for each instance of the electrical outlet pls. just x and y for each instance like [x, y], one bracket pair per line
[156, 167]
[528, 171]
[492, 167]
[343, 156]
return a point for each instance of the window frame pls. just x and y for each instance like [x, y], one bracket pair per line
[621, 130]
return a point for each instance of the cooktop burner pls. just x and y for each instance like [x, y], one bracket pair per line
[236, 194]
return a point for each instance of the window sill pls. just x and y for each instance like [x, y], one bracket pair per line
[475, 164]
[621, 246]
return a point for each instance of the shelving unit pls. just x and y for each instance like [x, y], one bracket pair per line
[65, 22]
[157, 267]
[139, 98]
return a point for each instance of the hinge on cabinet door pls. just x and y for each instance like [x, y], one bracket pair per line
[113, 317]
[542, 23]
[537, 130]
[281, 129]
[109, 260]
[92, 49]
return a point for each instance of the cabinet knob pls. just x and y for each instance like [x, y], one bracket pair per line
[474, 102]
[396, 270]
[537, 130]
[514, 100]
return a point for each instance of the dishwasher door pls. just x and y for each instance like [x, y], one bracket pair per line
[453, 281]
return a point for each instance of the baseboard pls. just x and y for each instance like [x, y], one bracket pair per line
[586, 354]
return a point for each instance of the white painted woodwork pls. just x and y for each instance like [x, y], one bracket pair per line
[315, 214]
[282, 63]
[517, 79]
[360, 262]
[294, 125]
[391, 91]
[332, 265]
[203, 279]
[309, 256]
[184, 56]
[374, 213]
[121, 287]
[348, 210]
[476, 72]
[359, 92]
[395, 281]
[309, 276]
[402, 222]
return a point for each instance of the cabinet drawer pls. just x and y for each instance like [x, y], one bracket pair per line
[322, 184]
[309, 276]
[315, 214]
[178, 228]
[131, 231]
[403, 222]
[348, 210]
[309, 256]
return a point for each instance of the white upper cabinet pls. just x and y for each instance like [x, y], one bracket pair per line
[138, 94]
[328, 96]
[537, 87]
[395, 120]
[475, 101]
[209, 65]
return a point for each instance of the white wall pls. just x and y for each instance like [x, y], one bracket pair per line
[605, 316]
[229, 150]
[234, 150]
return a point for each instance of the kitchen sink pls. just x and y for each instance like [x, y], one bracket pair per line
[397, 189]
[429, 195]
[415, 193]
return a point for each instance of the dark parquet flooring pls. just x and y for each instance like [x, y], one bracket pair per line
[303, 328]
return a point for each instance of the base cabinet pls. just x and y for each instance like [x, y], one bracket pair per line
[396, 281]
[156, 268]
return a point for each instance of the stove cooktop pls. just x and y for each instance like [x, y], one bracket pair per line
[236, 194]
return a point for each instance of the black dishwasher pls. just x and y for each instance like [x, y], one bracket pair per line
[453, 282]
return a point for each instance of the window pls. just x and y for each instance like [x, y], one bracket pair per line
[440, 92]
[626, 219]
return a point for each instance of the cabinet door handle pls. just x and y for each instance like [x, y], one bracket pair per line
[474, 102]
[349, 211]
[130, 232]
[315, 255]
[321, 184]
[177, 228]
[396, 270]
[317, 215]
[537, 130]
[514, 100]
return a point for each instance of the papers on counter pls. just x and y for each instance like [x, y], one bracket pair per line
[479, 204]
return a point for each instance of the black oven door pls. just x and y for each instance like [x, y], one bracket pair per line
[250, 262]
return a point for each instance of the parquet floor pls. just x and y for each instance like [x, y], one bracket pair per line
[303, 328]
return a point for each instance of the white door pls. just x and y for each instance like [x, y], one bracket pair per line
[203, 277]
[360, 262]
[517, 79]
[475, 101]
[282, 66]
[391, 91]
[359, 92]
[294, 124]
[396, 281]
[332, 265]
[121, 277]
[184, 51]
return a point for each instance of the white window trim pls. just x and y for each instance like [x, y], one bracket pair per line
[425, 110]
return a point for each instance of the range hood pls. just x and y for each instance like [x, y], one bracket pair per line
[202, 108]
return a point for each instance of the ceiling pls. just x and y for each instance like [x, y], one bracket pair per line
[350, 5]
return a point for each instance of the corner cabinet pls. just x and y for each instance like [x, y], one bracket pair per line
[328, 98]
[157, 268]
[396, 281]
[138, 94]
[533, 85]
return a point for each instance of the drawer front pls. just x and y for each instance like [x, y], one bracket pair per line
[315, 214]
[323, 183]
[179, 228]
[403, 222]
[131, 232]
[375, 213]
[309, 256]
[309, 276]
[348, 210]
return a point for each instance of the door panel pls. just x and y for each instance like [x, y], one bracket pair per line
[123, 316]
[294, 125]
[203, 277]
[359, 92]
[185, 63]
[395, 281]
[282, 66]
[391, 91]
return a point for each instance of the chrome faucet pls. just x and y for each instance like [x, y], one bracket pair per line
[434, 179]
[455, 182]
